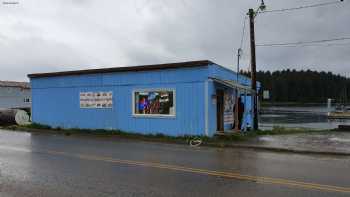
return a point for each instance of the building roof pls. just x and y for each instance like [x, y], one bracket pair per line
[24, 85]
[125, 69]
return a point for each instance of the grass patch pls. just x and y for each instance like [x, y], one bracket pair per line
[37, 126]
[274, 131]
[220, 140]
[34, 127]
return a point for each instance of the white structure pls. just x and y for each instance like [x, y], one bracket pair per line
[15, 95]
[266, 95]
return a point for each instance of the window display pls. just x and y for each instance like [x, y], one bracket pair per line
[159, 102]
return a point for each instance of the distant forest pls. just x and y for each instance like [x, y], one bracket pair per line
[304, 86]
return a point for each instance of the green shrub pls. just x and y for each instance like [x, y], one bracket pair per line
[38, 126]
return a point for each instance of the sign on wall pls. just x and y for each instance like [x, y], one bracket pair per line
[96, 99]
[229, 103]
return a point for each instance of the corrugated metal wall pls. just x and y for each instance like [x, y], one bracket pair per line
[217, 71]
[56, 101]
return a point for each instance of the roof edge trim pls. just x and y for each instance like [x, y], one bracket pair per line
[188, 64]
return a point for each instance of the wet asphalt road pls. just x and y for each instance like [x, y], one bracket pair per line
[331, 142]
[53, 165]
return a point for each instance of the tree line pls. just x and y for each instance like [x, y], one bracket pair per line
[304, 86]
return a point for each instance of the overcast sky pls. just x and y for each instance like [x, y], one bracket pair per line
[56, 35]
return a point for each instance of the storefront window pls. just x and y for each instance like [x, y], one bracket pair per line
[155, 102]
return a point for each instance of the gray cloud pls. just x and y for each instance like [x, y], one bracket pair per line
[43, 36]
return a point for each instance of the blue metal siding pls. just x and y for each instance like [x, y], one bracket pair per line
[223, 73]
[123, 78]
[161, 76]
[67, 81]
[212, 127]
[189, 117]
[59, 107]
[56, 101]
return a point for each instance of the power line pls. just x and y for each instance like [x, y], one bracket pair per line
[243, 31]
[302, 7]
[302, 42]
[315, 45]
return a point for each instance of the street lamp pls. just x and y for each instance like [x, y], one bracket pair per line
[262, 6]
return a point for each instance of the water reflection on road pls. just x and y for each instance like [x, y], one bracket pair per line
[40, 164]
[298, 117]
[338, 142]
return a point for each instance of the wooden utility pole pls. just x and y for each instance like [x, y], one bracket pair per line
[254, 95]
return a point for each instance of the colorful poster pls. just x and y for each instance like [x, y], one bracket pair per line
[229, 103]
[96, 99]
[154, 102]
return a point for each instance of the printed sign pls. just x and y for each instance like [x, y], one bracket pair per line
[96, 99]
[229, 102]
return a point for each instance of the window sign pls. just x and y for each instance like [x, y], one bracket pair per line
[155, 102]
[96, 99]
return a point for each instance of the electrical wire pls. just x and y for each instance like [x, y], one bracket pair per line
[243, 32]
[240, 49]
[302, 42]
[302, 7]
[315, 45]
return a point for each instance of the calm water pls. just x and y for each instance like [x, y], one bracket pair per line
[298, 117]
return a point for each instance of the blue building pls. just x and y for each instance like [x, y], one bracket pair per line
[187, 98]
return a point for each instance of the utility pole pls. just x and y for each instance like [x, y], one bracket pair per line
[254, 95]
[236, 119]
[252, 14]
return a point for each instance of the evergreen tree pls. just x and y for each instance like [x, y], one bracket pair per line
[303, 86]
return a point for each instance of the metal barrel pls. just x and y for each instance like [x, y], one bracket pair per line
[13, 116]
